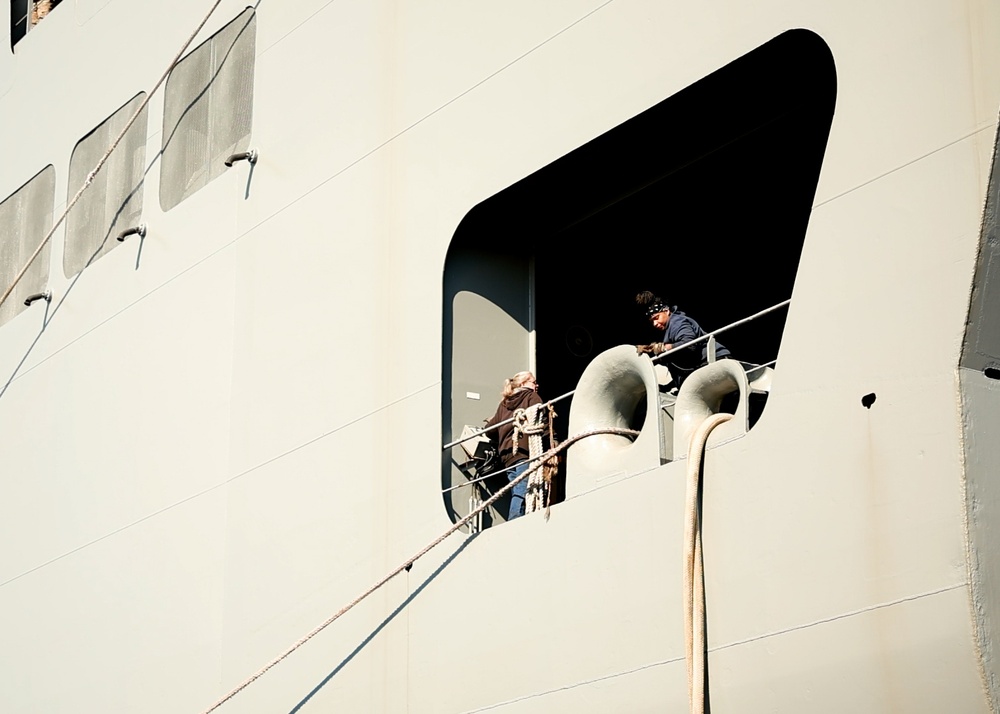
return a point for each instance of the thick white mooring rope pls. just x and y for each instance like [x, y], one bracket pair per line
[694, 574]
[531, 423]
[107, 154]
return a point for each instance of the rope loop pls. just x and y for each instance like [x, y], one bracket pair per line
[532, 423]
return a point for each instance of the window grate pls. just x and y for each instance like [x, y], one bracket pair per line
[25, 218]
[208, 110]
[114, 200]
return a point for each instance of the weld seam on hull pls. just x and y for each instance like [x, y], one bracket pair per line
[217, 486]
[834, 618]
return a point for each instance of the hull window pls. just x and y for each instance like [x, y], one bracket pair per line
[25, 218]
[113, 203]
[208, 110]
[26, 14]
[704, 198]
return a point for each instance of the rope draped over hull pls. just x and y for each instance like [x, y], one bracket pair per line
[694, 574]
[694, 584]
[547, 456]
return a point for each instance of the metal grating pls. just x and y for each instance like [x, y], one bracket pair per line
[114, 200]
[208, 110]
[25, 218]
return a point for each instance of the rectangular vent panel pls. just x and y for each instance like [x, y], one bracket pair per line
[208, 110]
[25, 219]
[113, 202]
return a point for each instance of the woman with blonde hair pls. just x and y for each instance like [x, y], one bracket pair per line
[519, 392]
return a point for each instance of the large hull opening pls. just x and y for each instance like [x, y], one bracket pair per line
[704, 199]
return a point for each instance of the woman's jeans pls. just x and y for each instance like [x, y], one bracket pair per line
[519, 491]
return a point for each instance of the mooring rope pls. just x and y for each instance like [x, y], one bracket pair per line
[531, 423]
[694, 574]
[411, 560]
[107, 154]
[657, 359]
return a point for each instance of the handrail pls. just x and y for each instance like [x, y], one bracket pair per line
[707, 335]
[480, 479]
[501, 423]
[547, 455]
[730, 326]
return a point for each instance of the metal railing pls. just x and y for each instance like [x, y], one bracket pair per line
[686, 345]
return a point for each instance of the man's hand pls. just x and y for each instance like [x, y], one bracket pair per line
[652, 349]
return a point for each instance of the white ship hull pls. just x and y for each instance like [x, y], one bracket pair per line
[217, 436]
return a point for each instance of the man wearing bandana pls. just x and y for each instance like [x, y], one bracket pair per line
[678, 329]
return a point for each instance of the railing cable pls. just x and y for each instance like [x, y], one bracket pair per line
[405, 565]
[684, 346]
[713, 333]
[501, 423]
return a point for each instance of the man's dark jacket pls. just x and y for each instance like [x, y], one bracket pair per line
[681, 329]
